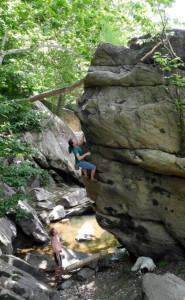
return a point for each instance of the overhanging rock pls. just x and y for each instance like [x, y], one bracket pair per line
[131, 126]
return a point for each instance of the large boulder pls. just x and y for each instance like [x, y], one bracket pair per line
[19, 285]
[132, 131]
[57, 213]
[40, 194]
[32, 226]
[165, 287]
[51, 146]
[38, 260]
[8, 232]
[81, 208]
[73, 197]
[75, 201]
[25, 266]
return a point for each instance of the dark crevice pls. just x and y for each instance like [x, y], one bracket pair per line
[65, 177]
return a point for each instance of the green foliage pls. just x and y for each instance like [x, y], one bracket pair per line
[70, 32]
[17, 174]
[168, 63]
[46, 45]
[44, 177]
[171, 66]
[110, 34]
[163, 263]
[16, 116]
[8, 205]
[11, 144]
[22, 214]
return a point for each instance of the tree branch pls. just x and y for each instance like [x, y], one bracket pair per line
[149, 53]
[3, 41]
[12, 51]
[62, 91]
[37, 47]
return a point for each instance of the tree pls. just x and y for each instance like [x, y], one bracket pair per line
[47, 45]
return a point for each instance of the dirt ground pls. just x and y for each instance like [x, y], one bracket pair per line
[116, 281]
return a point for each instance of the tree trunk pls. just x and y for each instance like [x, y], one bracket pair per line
[86, 261]
[60, 105]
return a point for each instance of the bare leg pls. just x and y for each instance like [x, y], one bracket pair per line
[85, 173]
[60, 274]
[56, 270]
[92, 175]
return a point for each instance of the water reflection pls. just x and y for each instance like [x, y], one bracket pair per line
[101, 239]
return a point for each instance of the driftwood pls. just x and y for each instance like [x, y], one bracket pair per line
[86, 261]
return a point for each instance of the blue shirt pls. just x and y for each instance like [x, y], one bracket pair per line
[75, 151]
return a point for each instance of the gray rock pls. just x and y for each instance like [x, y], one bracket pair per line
[72, 256]
[83, 237]
[47, 205]
[43, 262]
[6, 294]
[8, 232]
[32, 226]
[85, 273]
[8, 191]
[72, 198]
[84, 207]
[66, 284]
[132, 131]
[165, 287]
[20, 285]
[44, 217]
[51, 145]
[25, 266]
[57, 213]
[35, 183]
[41, 194]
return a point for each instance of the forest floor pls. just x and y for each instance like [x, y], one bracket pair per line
[116, 281]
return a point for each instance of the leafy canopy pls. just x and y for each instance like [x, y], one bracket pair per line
[69, 32]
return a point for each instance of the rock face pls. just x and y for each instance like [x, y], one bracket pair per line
[37, 260]
[17, 284]
[7, 234]
[32, 226]
[51, 146]
[131, 127]
[24, 266]
[166, 287]
[68, 117]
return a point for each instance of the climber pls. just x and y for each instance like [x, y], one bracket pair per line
[79, 159]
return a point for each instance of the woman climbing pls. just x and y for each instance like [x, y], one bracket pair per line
[79, 159]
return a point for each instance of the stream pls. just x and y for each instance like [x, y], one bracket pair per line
[68, 231]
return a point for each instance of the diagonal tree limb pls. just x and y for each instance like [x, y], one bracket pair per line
[37, 47]
[12, 51]
[65, 90]
[150, 52]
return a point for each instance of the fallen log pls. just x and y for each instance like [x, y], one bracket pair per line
[86, 261]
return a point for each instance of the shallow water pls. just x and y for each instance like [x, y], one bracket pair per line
[101, 239]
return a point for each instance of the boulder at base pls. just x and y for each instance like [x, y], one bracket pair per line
[132, 131]
[8, 232]
[19, 285]
[165, 287]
